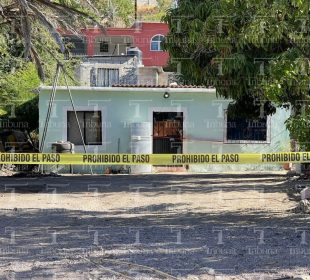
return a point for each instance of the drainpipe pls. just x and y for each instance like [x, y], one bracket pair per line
[157, 78]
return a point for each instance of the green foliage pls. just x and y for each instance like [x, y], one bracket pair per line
[299, 127]
[164, 4]
[17, 92]
[49, 55]
[19, 86]
[115, 12]
[154, 13]
[23, 116]
[253, 51]
[19, 78]
[28, 113]
[25, 21]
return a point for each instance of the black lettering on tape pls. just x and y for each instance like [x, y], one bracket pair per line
[281, 157]
[51, 158]
[12, 158]
[140, 158]
[102, 158]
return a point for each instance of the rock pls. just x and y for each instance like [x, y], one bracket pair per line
[303, 207]
[292, 173]
[302, 277]
[6, 170]
[305, 193]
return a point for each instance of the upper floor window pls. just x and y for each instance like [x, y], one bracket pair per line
[104, 47]
[156, 43]
[107, 77]
[75, 44]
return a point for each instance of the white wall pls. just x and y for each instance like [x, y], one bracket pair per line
[204, 121]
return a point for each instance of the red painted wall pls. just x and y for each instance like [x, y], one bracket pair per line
[141, 35]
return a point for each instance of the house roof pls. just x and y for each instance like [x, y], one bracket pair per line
[159, 86]
[128, 88]
[134, 27]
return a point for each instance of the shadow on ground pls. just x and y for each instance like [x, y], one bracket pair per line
[179, 244]
[75, 243]
[190, 183]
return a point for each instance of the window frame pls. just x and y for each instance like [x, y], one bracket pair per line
[74, 40]
[107, 69]
[106, 44]
[228, 141]
[158, 43]
[99, 112]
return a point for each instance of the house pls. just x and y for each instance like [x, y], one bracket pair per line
[120, 70]
[144, 119]
[122, 56]
[146, 36]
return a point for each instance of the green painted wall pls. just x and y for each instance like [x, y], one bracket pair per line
[204, 121]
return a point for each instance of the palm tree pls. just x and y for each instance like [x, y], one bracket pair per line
[21, 16]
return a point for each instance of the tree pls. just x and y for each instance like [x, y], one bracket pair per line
[154, 12]
[115, 12]
[27, 19]
[253, 51]
[164, 5]
[18, 76]
[30, 48]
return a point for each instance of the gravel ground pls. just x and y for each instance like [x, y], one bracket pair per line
[166, 226]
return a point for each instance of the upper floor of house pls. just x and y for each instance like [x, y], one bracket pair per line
[148, 37]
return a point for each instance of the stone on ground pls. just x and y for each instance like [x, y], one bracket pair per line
[305, 193]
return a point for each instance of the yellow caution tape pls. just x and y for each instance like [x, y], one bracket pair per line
[154, 159]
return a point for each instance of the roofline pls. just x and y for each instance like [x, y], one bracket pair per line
[132, 27]
[132, 89]
[158, 68]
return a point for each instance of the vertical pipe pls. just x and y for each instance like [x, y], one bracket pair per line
[50, 107]
[157, 78]
[76, 116]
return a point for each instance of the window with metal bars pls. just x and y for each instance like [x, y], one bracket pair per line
[104, 47]
[107, 77]
[242, 129]
[90, 124]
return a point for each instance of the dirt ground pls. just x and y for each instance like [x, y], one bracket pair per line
[163, 226]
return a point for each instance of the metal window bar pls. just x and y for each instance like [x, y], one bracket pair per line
[107, 77]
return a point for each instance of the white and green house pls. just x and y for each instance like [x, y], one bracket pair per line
[158, 120]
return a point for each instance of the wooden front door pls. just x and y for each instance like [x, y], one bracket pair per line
[167, 132]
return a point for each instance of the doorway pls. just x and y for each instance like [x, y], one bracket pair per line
[167, 132]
